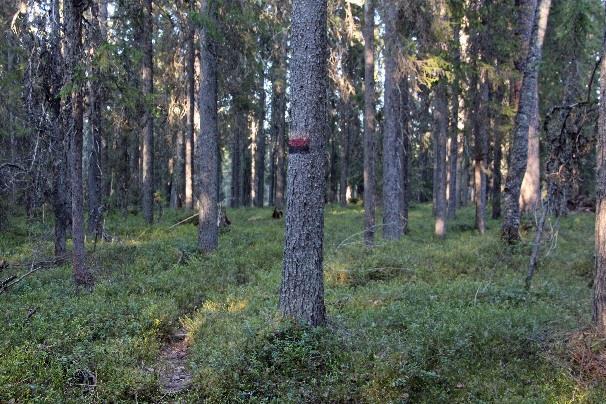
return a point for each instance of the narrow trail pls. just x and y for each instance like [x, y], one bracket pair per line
[174, 373]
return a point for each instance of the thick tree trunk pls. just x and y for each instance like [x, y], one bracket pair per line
[392, 221]
[440, 111]
[147, 125]
[73, 50]
[519, 149]
[191, 97]
[208, 140]
[369, 123]
[599, 284]
[302, 289]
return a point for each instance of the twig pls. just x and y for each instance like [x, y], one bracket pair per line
[182, 221]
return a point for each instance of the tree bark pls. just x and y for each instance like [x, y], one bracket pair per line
[497, 123]
[237, 156]
[278, 117]
[599, 284]
[392, 221]
[519, 149]
[405, 130]
[440, 111]
[369, 123]
[481, 153]
[207, 142]
[302, 289]
[259, 179]
[189, 139]
[147, 124]
[96, 166]
[454, 126]
[73, 50]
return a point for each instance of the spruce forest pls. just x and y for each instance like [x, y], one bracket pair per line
[303, 201]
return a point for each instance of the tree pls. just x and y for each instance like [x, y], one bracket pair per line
[526, 107]
[189, 139]
[369, 123]
[147, 126]
[440, 110]
[599, 284]
[207, 142]
[392, 220]
[73, 10]
[302, 289]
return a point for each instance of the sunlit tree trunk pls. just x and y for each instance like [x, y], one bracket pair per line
[147, 133]
[599, 284]
[440, 110]
[453, 126]
[302, 289]
[191, 97]
[481, 153]
[526, 110]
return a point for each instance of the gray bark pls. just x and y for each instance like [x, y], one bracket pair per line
[302, 289]
[73, 50]
[392, 220]
[481, 154]
[369, 123]
[147, 124]
[440, 111]
[259, 180]
[278, 119]
[207, 143]
[454, 127]
[519, 149]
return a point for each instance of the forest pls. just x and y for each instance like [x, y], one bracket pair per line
[303, 201]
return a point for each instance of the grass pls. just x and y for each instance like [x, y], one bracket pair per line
[419, 320]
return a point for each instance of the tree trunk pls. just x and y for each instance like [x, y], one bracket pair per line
[147, 126]
[526, 108]
[599, 284]
[178, 178]
[96, 167]
[440, 111]
[346, 119]
[236, 156]
[405, 130]
[454, 127]
[497, 123]
[208, 140]
[189, 138]
[302, 289]
[369, 123]
[278, 117]
[259, 180]
[481, 153]
[392, 221]
[73, 50]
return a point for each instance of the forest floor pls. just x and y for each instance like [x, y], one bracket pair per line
[419, 320]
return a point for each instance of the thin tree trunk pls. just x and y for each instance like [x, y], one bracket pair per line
[73, 49]
[519, 149]
[236, 156]
[346, 119]
[454, 127]
[208, 140]
[189, 138]
[177, 182]
[302, 289]
[259, 179]
[441, 132]
[279, 120]
[497, 154]
[147, 87]
[405, 130]
[481, 154]
[369, 123]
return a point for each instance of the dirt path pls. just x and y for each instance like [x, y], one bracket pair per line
[175, 375]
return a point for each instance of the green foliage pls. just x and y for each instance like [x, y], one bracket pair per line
[419, 320]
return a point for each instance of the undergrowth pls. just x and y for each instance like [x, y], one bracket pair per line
[419, 320]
